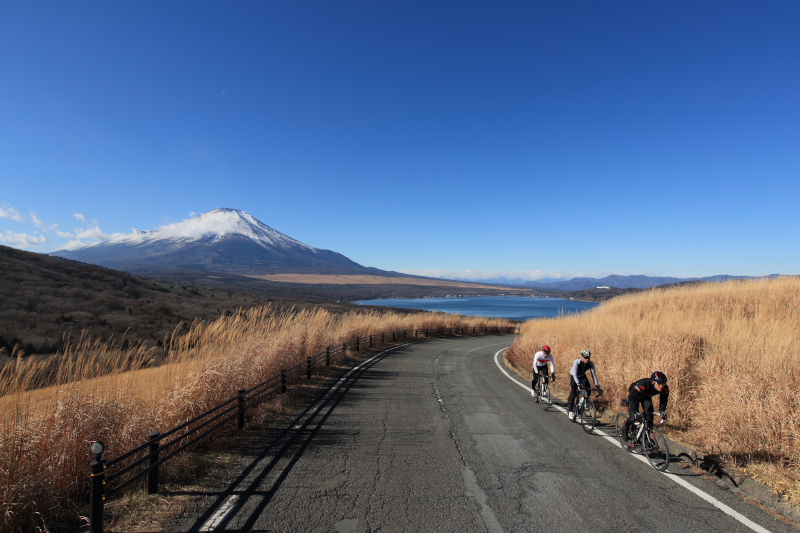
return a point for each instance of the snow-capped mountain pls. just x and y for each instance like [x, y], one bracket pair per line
[223, 240]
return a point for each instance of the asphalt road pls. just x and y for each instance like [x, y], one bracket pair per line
[435, 437]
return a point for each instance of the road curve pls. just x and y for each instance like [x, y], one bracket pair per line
[434, 437]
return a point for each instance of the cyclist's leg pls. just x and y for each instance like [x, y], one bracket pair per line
[537, 378]
[573, 393]
[585, 383]
[633, 408]
[647, 407]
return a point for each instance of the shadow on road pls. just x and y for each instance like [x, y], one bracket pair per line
[283, 452]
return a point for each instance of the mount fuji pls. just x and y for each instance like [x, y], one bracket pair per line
[222, 240]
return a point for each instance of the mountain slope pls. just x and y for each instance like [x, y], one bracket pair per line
[223, 240]
[625, 282]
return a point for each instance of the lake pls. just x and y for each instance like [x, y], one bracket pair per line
[516, 307]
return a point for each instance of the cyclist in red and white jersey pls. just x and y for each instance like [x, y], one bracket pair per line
[540, 370]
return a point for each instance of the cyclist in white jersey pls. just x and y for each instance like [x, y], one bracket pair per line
[540, 369]
[579, 380]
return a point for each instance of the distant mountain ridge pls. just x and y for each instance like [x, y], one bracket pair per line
[223, 240]
[620, 282]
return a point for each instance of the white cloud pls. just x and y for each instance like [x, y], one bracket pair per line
[192, 214]
[6, 211]
[84, 236]
[94, 233]
[22, 239]
[35, 219]
[74, 244]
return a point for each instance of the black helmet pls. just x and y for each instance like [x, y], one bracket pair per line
[586, 354]
[659, 377]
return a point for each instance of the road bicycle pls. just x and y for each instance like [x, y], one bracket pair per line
[585, 411]
[646, 439]
[543, 397]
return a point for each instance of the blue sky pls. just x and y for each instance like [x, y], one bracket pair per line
[535, 138]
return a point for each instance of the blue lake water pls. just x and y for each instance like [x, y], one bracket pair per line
[516, 307]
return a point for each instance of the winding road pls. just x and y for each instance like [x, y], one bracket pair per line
[436, 437]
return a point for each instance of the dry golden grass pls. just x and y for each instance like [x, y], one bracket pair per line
[729, 349]
[98, 392]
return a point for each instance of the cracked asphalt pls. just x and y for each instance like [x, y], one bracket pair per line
[433, 437]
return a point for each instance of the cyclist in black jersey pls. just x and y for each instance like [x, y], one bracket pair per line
[641, 393]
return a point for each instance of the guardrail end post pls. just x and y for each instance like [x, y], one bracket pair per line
[97, 487]
[240, 422]
[283, 381]
[152, 476]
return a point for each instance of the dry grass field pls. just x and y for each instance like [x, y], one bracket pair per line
[729, 349]
[101, 392]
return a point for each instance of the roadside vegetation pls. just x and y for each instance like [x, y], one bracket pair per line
[100, 391]
[730, 351]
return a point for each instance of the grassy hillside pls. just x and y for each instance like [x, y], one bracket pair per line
[43, 297]
[729, 349]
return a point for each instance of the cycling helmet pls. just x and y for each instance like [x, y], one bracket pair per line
[586, 354]
[659, 377]
[546, 349]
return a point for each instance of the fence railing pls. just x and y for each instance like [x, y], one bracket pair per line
[159, 448]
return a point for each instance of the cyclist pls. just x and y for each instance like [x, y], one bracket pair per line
[641, 393]
[580, 367]
[540, 369]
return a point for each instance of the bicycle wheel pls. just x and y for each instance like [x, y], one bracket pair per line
[619, 424]
[588, 416]
[655, 449]
[546, 400]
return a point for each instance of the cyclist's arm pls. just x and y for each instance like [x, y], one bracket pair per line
[574, 371]
[663, 399]
[594, 376]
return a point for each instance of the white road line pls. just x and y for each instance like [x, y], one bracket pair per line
[683, 483]
[217, 518]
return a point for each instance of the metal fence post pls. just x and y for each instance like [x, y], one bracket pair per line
[308, 368]
[382, 341]
[328, 356]
[152, 475]
[283, 381]
[358, 343]
[96, 491]
[393, 338]
[240, 423]
[370, 340]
